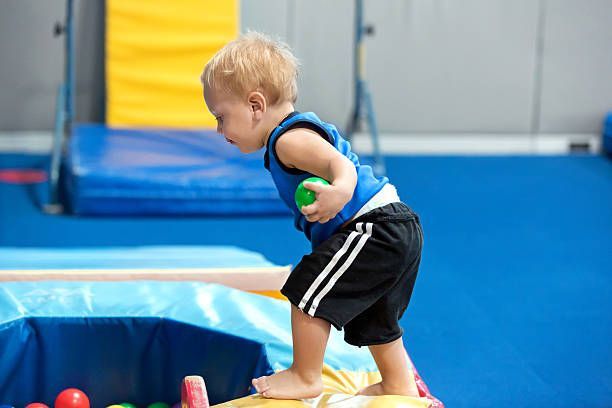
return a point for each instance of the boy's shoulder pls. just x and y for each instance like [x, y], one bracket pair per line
[309, 121]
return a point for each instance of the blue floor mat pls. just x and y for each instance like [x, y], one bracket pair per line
[164, 171]
[512, 304]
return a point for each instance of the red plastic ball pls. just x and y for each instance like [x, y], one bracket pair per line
[72, 398]
[36, 405]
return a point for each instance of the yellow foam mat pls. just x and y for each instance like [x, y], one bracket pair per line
[339, 388]
[275, 294]
[331, 400]
[155, 52]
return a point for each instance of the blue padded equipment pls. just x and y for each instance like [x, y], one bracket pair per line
[162, 171]
[134, 341]
[607, 134]
[144, 257]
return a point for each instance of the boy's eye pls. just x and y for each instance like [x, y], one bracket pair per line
[219, 119]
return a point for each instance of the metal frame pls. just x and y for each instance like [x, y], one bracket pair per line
[362, 103]
[64, 110]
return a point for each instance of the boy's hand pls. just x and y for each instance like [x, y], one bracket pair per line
[330, 201]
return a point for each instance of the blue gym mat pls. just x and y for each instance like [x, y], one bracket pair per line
[135, 341]
[151, 257]
[157, 171]
[512, 304]
[607, 134]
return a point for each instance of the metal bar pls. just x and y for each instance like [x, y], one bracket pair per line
[56, 152]
[379, 163]
[362, 93]
[353, 120]
[69, 79]
[64, 113]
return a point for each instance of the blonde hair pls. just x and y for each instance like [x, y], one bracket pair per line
[252, 62]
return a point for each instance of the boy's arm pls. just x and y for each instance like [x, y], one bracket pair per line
[308, 151]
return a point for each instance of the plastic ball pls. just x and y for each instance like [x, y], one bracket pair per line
[71, 398]
[159, 405]
[304, 196]
[127, 405]
[36, 405]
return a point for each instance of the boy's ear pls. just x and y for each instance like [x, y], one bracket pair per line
[257, 102]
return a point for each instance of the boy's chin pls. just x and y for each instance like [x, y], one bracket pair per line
[248, 149]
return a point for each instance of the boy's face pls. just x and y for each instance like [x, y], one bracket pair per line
[235, 120]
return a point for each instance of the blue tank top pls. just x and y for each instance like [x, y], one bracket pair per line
[287, 179]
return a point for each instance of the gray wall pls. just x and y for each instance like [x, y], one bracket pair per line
[30, 65]
[577, 68]
[32, 62]
[439, 66]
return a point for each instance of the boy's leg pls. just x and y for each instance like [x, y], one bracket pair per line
[303, 378]
[395, 370]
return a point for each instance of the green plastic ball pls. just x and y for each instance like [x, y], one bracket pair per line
[304, 196]
[127, 405]
[159, 405]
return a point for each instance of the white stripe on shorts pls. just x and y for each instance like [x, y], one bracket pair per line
[329, 267]
[343, 268]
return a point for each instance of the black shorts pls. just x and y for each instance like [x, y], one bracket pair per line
[362, 277]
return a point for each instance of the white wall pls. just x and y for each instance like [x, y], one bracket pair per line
[475, 66]
[434, 66]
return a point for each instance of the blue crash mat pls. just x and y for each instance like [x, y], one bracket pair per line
[134, 341]
[157, 171]
[146, 257]
[607, 134]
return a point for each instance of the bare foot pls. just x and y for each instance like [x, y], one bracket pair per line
[382, 389]
[287, 384]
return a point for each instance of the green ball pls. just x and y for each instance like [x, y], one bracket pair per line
[127, 405]
[159, 405]
[304, 196]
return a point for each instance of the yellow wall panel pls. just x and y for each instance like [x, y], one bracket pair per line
[155, 52]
